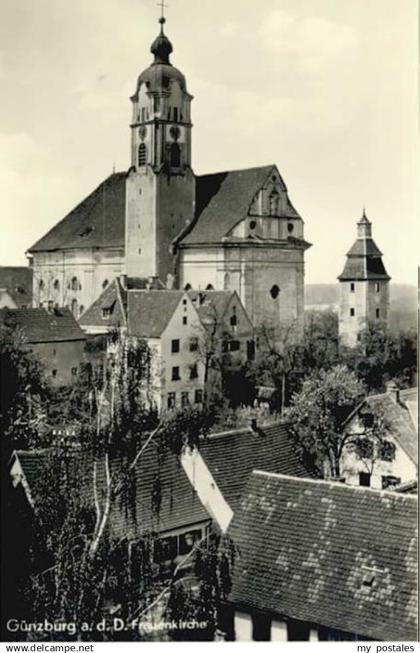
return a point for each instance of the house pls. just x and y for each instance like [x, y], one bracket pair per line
[195, 487]
[395, 460]
[53, 336]
[179, 519]
[15, 287]
[168, 321]
[229, 331]
[319, 560]
[220, 468]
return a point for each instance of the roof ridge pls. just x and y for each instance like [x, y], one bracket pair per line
[225, 172]
[323, 481]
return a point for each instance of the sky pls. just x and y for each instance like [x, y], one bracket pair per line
[325, 89]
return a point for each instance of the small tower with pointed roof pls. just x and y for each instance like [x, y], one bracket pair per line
[364, 287]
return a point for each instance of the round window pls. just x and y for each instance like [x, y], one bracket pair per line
[252, 224]
[274, 292]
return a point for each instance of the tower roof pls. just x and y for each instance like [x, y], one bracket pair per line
[161, 73]
[364, 258]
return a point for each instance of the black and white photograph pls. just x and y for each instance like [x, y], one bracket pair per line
[209, 283]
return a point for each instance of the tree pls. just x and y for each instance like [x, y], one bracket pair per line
[318, 413]
[23, 391]
[79, 567]
[381, 356]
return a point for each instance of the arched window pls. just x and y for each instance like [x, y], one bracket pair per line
[226, 282]
[75, 284]
[274, 202]
[56, 285]
[142, 156]
[188, 287]
[175, 155]
[74, 307]
[209, 287]
[105, 283]
[81, 309]
[41, 284]
[274, 292]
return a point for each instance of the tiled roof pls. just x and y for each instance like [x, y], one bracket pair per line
[40, 325]
[98, 221]
[401, 426]
[232, 456]
[323, 552]
[149, 311]
[223, 199]
[112, 299]
[364, 261]
[210, 304]
[18, 282]
[180, 505]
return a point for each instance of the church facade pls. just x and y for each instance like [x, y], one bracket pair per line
[234, 230]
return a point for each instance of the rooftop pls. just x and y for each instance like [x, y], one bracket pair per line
[326, 553]
[232, 456]
[39, 325]
[18, 282]
[223, 199]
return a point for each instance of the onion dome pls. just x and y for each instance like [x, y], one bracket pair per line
[161, 47]
[161, 73]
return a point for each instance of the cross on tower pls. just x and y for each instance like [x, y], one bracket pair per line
[162, 8]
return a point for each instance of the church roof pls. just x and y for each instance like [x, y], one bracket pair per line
[326, 553]
[98, 221]
[223, 199]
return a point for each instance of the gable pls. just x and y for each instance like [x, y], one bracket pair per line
[222, 200]
[109, 301]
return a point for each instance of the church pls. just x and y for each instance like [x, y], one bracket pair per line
[158, 223]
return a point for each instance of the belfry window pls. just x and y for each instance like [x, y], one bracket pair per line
[142, 155]
[175, 114]
[175, 155]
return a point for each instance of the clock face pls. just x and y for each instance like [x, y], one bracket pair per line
[175, 132]
[142, 133]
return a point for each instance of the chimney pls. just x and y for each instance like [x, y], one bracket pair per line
[394, 391]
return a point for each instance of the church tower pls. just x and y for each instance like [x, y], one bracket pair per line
[364, 287]
[160, 187]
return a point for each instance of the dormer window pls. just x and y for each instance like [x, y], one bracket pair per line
[86, 231]
[106, 312]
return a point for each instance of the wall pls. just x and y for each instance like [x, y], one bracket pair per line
[364, 300]
[253, 270]
[62, 357]
[351, 465]
[90, 267]
[176, 330]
